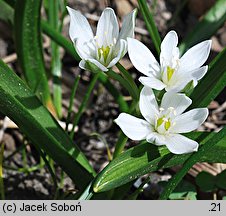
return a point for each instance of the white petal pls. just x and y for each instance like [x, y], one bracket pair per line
[107, 28]
[180, 102]
[195, 57]
[85, 49]
[132, 127]
[152, 82]
[179, 144]
[121, 53]
[82, 64]
[156, 138]
[199, 73]
[128, 25]
[142, 58]
[195, 74]
[189, 121]
[148, 104]
[168, 46]
[79, 26]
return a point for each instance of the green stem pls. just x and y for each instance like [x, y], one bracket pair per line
[120, 145]
[74, 89]
[84, 103]
[127, 76]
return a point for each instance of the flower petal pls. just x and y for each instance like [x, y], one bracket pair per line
[148, 104]
[79, 26]
[132, 127]
[168, 46]
[156, 138]
[179, 144]
[195, 57]
[128, 25]
[85, 49]
[142, 58]
[107, 28]
[189, 121]
[180, 102]
[82, 64]
[152, 82]
[121, 53]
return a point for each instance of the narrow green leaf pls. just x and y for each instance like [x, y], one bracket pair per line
[56, 60]
[150, 23]
[207, 27]
[204, 151]
[34, 120]
[29, 47]
[146, 158]
[212, 83]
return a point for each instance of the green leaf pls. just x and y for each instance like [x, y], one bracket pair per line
[150, 23]
[34, 120]
[221, 180]
[205, 181]
[55, 58]
[29, 47]
[185, 190]
[204, 150]
[146, 158]
[212, 83]
[6, 12]
[207, 27]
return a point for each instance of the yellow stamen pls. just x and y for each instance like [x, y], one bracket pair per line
[170, 72]
[167, 124]
[104, 51]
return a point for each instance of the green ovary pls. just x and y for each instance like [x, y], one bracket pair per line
[104, 51]
[170, 72]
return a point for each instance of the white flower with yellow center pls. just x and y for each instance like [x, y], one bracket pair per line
[173, 73]
[108, 46]
[163, 124]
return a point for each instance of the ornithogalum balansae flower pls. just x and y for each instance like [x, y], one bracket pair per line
[108, 46]
[174, 72]
[163, 124]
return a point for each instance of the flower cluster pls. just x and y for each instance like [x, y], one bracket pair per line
[163, 122]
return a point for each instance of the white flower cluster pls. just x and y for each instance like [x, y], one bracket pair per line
[163, 122]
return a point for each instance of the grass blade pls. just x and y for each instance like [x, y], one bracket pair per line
[55, 61]
[29, 48]
[150, 23]
[195, 157]
[23, 107]
[2, 192]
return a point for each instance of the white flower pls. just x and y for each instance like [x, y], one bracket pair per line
[108, 46]
[173, 73]
[163, 124]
